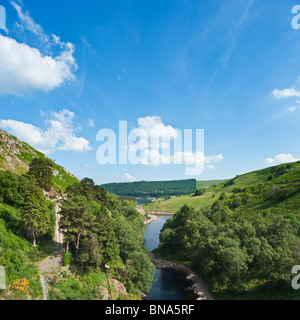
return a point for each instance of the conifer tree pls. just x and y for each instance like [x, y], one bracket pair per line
[41, 170]
[35, 217]
[76, 219]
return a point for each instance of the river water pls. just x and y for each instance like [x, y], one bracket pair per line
[169, 284]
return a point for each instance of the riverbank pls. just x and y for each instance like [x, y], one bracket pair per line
[199, 287]
[160, 213]
[152, 219]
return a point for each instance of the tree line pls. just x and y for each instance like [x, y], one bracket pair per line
[152, 189]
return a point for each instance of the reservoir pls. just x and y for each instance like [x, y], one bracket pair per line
[169, 284]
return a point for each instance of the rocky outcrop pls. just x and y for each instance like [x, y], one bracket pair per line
[116, 289]
[199, 287]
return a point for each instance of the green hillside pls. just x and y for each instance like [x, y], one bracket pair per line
[208, 184]
[242, 236]
[229, 187]
[152, 189]
[16, 155]
[100, 254]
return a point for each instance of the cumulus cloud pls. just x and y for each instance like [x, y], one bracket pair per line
[60, 133]
[153, 139]
[279, 159]
[286, 93]
[24, 68]
[129, 178]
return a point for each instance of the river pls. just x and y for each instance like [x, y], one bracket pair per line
[169, 284]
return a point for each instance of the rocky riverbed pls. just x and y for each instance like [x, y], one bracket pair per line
[199, 287]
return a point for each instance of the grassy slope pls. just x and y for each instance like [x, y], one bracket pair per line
[208, 184]
[248, 180]
[175, 203]
[16, 155]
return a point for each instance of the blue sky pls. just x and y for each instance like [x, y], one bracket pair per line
[69, 69]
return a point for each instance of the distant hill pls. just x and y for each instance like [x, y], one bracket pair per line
[278, 182]
[152, 188]
[16, 155]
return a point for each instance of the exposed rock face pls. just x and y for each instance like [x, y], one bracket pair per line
[11, 150]
[104, 293]
[117, 289]
[199, 287]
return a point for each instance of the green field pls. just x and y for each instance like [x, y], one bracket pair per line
[175, 203]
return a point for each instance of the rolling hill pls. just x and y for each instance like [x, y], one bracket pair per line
[264, 187]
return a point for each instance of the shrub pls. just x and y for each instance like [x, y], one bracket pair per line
[67, 259]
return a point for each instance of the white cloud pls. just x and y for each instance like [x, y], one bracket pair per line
[155, 155]
[24, 68]
[59, 134]
[129, 178]
[152, 126]
[286, 93]
[214, 158]
[292, 109]
[279, 159]
[210, 167]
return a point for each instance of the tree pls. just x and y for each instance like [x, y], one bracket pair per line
[199, 192]
[88, 189]
[12, 188]
[184, 214]
[76, 220]
[35, 218]
[42, 170]
[103, 229]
